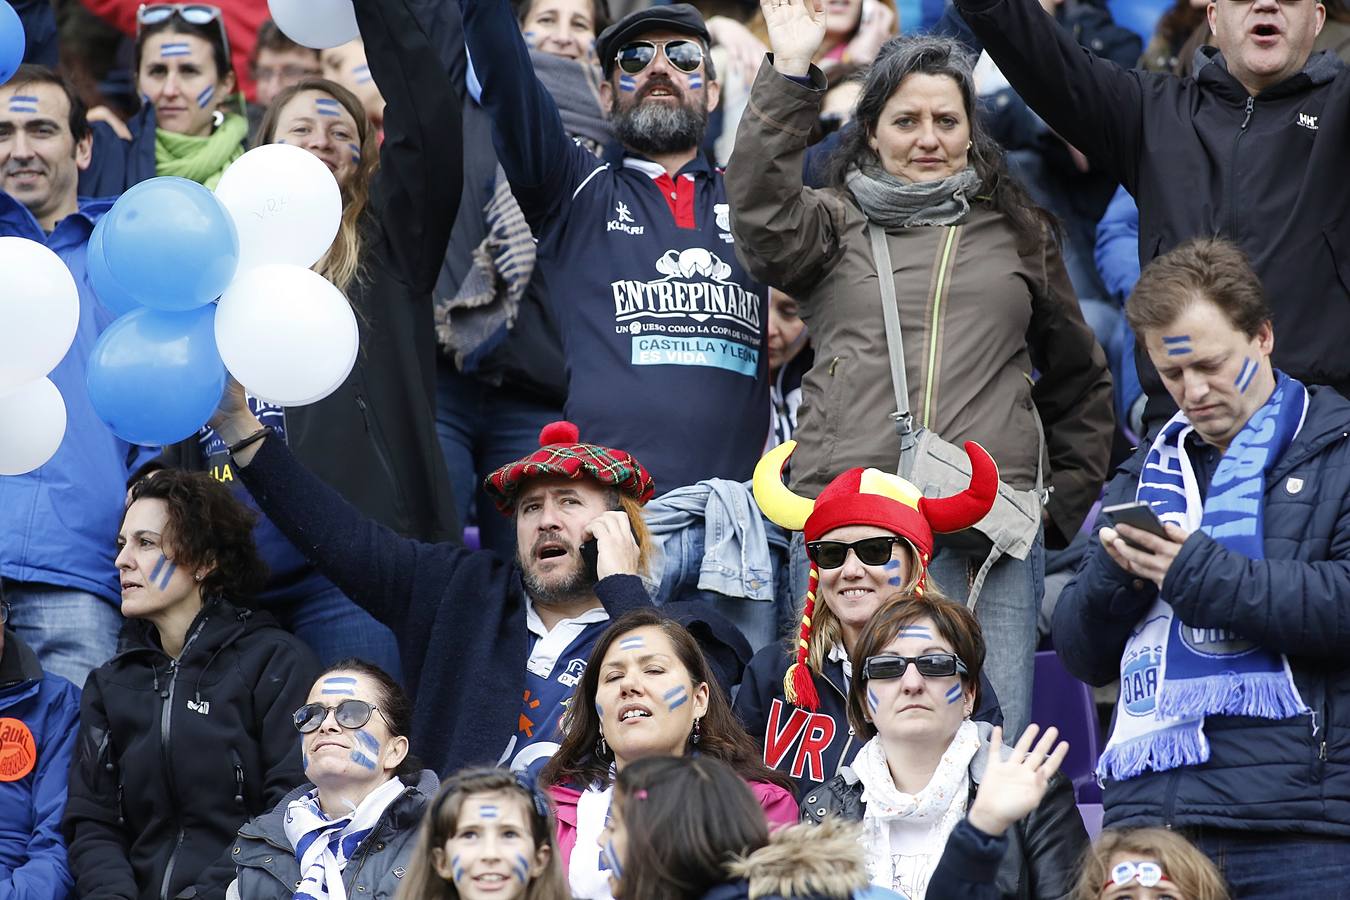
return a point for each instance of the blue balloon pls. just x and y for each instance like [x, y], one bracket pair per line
[155, 377]
[109, 292]
[11, 42]
[171, 244]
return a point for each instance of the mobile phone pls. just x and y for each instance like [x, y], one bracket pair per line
[1136, 515]
[590, 555]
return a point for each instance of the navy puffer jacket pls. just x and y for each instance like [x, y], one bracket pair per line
[1290, 775]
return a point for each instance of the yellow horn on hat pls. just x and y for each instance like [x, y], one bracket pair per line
[774, 498]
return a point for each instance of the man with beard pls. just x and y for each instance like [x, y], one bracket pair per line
[55, 522]
[491, 648]
[663, 330]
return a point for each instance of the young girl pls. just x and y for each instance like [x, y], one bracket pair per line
[485, 829]
[1148, 864]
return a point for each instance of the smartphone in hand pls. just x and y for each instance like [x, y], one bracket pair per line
[1136, 515]
[590, 556]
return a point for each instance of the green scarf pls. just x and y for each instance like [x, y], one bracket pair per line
[200, 159]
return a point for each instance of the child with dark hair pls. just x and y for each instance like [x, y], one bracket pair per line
[488, 833]
[184, 733]
[351, 827]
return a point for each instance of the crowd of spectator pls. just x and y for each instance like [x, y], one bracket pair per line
[750, 402]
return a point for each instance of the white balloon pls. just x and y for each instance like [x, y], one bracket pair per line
[38, 416]
[319, 24]
[285, 203]
[286, 334]
[39, 311]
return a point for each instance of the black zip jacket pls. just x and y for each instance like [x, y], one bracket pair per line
[174, 755]
[1042, 854]
[811, 747]
[374, 439]
[1202, 158]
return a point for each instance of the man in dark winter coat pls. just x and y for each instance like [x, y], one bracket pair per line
[39, 716]
[1227, 627]
[491, 648]
[1252, 147]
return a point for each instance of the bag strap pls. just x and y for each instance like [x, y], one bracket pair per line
[904, 420]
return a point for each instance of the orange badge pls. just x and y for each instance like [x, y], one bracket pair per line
[18, 750]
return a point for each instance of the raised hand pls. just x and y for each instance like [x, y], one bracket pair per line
[1014, 786]
[796, 30]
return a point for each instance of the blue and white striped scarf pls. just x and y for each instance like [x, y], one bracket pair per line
[1172, 674]
[323, 845]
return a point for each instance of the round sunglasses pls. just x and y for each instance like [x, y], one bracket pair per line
[635, 56]
[930, 665]
[873, 551]
[1148, 874]
[348, 714]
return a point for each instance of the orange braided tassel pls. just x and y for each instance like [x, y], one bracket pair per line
[798, 686]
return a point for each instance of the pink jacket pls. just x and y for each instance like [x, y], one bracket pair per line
[779, 808]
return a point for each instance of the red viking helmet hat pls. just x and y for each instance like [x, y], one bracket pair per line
[866, 497]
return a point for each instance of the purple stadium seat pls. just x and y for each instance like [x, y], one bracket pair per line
[1092, 819]
[1065, 702]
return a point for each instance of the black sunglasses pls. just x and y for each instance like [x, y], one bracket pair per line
[930, 665]
[874, 551]
[192, 13]
[635, 56]
[348, 714]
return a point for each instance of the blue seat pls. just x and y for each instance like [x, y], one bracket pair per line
[1066, 703]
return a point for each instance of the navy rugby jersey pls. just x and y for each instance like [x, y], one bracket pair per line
[663, 330]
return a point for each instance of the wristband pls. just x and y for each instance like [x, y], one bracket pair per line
[251, 439]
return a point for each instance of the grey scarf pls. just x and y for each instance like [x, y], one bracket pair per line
[893, 203]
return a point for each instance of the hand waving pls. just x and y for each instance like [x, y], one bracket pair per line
[1014, 786]
[796, 29]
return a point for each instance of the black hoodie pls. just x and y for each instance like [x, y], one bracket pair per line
[174, 755]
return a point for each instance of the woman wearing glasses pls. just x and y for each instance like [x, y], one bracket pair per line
[916, 682]
[185, 733]
[868, 540]
[187, 125]
[351, 829]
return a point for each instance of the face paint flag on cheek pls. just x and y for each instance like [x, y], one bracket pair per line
[627, 83]
[695, 81]
[873, 701]
[356, 153]
[176, 49]
[521, 869]
[21, 103]
[953, 694]
[361, 74]
[676, 697]
[456, 868]
[891, 567]
[163, 571]
[1244, 379]
[610, 860]
[362, 757]
[205, 96]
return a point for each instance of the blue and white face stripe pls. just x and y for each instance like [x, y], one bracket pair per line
[365, 755]
[954, 694]
[204, 98]
[356, 153]
[1177, 344]
[326, 106]
[23, 103]
[676, 697]
[632, 642]
[174, 49]
[873, 701]
[488, 811]
[521, 869]
[339, 684]
[162, 573]
[892, 569]
[695, 80]
[361, 74]
[627, 83]
[915, 631]
[1244, 379]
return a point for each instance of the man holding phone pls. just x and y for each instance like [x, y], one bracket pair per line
[1227, 625]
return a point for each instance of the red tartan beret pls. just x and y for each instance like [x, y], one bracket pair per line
[561, 455]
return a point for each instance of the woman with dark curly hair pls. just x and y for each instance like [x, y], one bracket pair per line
[186, 733]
